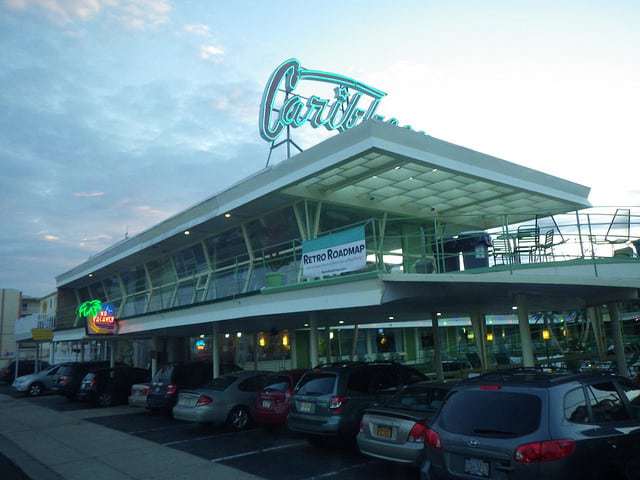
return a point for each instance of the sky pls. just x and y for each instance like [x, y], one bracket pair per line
[116, 114]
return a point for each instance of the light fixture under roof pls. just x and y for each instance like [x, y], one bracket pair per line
[391, 317]
[434, 170]
[396, 168]
[227, 215]
[187, 232]
[226, 335]
[341, 322]
[202, 335]
[306, 324]
[91, 275]
[514, 308]
[239, 334]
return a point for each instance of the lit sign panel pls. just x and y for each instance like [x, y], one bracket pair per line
[100, 317]
[201, 345]
[353, 102]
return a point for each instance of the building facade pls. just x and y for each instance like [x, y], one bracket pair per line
[13, 305]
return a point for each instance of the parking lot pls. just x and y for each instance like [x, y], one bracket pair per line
[267, 454]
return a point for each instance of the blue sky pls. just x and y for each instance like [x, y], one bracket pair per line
[115, 114]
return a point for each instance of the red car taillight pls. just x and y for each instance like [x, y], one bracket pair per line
[544, 451]
[63, 380]
[171, 389]
[432, 439]
[204, 400]
[418, 433]
[337, 402]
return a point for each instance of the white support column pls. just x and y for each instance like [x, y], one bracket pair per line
[37, 362]
[528, 360]
[328, 340]
[369, 336]
[479, 330]
[293, 348]
[354, 345]
[437, 357]
[81, 351]
[313, 339]
[52, 353]
[256, 349]
[17, 365]
[418, 344]
[112, 356]
[215, 351]
[155, 346]
[592, 317]
[618, 341]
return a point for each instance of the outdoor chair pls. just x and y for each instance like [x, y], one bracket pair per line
[545, 249]
[501, 249]
[527, 243]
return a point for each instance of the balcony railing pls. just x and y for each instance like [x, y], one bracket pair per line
[24, 325]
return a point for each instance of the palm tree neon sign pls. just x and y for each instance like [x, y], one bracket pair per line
[100, 317]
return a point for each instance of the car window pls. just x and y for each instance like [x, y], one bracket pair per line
[317, 384]
[575, 406]
[164, 374]
[606, 404]
[53, 371]
[278, 383]
[410, 376]
[632, 392]
[419, 398]
[384, 380]
[359, 381]
[252, 384]
[491, 413]
[66, 370]
[222, 383]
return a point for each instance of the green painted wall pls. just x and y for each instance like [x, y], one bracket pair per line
[302, 349]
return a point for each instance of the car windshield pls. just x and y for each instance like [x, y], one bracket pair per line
[279, 383]
[164, 374]
[317, 384]
[222, 383]
[420, 398]
[66, 370]
[491, 413]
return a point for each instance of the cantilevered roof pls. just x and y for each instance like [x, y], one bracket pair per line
[374, 166]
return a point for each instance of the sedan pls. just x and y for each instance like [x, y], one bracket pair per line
[396, 431]
[273, 402]
[139, 392]
[227, 400]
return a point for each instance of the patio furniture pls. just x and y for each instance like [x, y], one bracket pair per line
[545, 249]
[501, 249]
[620, 227]
[527, 243]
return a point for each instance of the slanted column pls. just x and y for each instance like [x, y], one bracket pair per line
[528, 360]
[618, 342]
[437, 356]
[313, 339]
[596, 326]
[215, 351]
[479, 330]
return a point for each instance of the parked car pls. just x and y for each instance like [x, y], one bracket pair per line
[71, 374]
[226, 400]
[272, 403]
[25, 367]
[139, 392]
[170, 379]
[330, 401]
[111, 386]
[396, 431]
[36, 384]
[529, 425]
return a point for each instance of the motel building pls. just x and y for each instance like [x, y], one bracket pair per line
[379, 243]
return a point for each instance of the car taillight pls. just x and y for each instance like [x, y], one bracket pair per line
[544, 451]
[363, 425]
[337, 402]
[432, 439]
[145, 391]
[204, 400]
[63, 380]
[490, 387]
[171, 389]
[418, 433]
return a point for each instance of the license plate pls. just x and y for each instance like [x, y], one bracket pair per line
[306, 407]
[266, 404]
[187, 402]
[384, 432]
[477, 467]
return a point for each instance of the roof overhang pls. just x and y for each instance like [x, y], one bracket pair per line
[374, 166]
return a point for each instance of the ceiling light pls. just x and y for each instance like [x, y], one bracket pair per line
[375, 176]
[439, 314]
[391, 317]
[514, 308]
[306, 324]
[202, 335]
[410, 178]
[330, 335]
[90, 275]
[396, 168]
[226, 335]
[239, 334]
[187, 232]
[434, 170]
[227, 215]
[341, 322]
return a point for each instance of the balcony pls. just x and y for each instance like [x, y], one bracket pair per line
[24, 325]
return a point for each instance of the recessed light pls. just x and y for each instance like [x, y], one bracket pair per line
[375, 176]
[396, 168]
[410, 178]
[391, 317]
[91, 275]
[439, 314]
[202, 335]
[187, 232]
[514, 308]
[239, 334]
[226, 335]
[227, 215]
[434, 170]
[306, 324]
[341, 322]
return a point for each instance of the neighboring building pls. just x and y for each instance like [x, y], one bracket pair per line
[13, 305]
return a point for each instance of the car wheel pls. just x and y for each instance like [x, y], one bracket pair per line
[105, 400]
[238, 418]
[35, 389]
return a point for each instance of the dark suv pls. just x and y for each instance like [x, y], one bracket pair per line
[70, 377]
[111, 386]
[171, 378]
[329, 401]
[529, 425]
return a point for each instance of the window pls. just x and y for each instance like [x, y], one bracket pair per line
[491, 413]
[632, 392]
[575, 406]
[190, 261]
[385, 379]
[411, 376]
[278, 383]
[222, 383]
[606, 404]
[134, 280]
[53, 371]
[252, 384]
[317, 384]
[419, 399]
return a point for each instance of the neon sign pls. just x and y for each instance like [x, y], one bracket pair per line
[100, 317]
[340, 113]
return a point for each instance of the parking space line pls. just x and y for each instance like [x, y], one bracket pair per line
[340, 470]
[257, 452]
[158, 429]
[206, 437]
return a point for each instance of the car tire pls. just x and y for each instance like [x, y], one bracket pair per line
[35, 389]
[238, 418]
[105, 399]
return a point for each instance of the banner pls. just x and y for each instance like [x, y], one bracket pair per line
[333, 254]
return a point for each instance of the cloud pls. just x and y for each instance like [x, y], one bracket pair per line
[198, 29]
[88, 194]
[211, 53]
[134, 14]
[51, 238]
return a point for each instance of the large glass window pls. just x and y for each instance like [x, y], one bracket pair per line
[225, 248]
[190, 261]
[135, 305]
[161, 298]
[134, 280]
[185, 293]
[161, 272]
